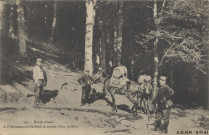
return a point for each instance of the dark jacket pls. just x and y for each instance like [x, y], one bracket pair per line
[45, 77]
[165, 91]
[164, 95]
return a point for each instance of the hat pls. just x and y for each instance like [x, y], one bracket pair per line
[39, 60]
[163, 78]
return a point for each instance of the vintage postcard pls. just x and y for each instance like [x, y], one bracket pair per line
[104, 67]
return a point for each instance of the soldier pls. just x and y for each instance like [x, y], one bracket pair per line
[97, 77]
[86, 82]
[40, 80]
[163, 99]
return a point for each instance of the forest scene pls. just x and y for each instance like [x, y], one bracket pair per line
[153, 37]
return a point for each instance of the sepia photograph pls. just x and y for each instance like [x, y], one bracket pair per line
[104, 67]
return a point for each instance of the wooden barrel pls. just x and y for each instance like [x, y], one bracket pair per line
[143, 78]
[148, 78]
[120, 71]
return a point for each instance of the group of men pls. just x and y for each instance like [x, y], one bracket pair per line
[163, 98]
[40, 81]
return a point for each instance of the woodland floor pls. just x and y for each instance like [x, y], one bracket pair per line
[64, 115]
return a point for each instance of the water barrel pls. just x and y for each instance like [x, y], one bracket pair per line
[143, 78]
[120, 71]
[148, 78]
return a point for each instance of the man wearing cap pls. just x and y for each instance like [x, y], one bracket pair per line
[40, 80]
[86, 81]
[163, 99]
[97, 77]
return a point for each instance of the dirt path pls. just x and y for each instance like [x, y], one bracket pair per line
[64, 115]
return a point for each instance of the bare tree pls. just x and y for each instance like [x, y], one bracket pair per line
[90, 17]
[156, 59]
[186, 43]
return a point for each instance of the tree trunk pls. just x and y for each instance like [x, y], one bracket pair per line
[1, 33]
[132, 73]
[77, 28]
[12, 21]
[119, 33]
[103, 41]
[45, 17]
[4, 52]
[46, 20]
[171, 76]
[90, 16]
[156, 59]
[21, 28]
[103, 49]
[54, 20]
[110, 51]
[115, 33]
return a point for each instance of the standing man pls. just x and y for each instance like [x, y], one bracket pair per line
[97, 77]
[86, 81]
[163, 99]
[40, 80]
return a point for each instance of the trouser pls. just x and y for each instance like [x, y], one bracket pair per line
[162, 121]
[85, 94]
[39, 91]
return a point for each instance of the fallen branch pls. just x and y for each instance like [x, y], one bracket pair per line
[48, 54]
[66, 83]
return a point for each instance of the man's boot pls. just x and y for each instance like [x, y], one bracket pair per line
[166, 126]
[162, 125]
[157, 125]
[83, 97]
[88, 94]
